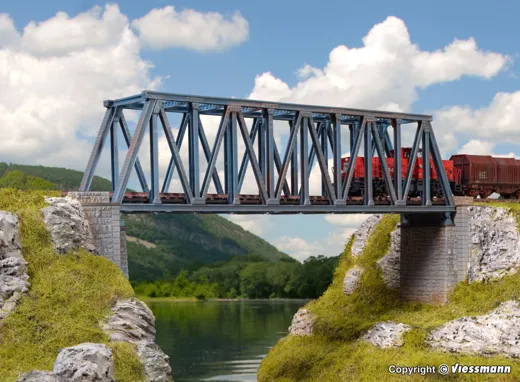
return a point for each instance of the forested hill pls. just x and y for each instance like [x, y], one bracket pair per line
[171, 242]
[64, 179]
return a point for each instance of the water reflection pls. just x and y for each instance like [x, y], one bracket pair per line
[220, 341]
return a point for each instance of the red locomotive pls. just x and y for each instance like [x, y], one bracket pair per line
[468, 175]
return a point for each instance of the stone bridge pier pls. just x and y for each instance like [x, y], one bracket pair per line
[435, 254]
[106, 225]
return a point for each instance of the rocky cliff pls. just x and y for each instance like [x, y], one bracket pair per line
[360, 327]
[65, 312]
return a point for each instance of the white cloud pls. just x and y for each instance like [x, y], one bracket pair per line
[257, 224]
[203, 32]
[56, 73]
[383, 74]
[485, 127]
[349, 220]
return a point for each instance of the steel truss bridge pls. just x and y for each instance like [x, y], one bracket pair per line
[313, 130]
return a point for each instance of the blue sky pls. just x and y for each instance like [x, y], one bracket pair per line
[282, 37]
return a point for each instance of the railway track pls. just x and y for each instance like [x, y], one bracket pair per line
[179, 198]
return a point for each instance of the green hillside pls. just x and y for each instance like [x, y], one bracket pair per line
[64, 179]
[175, 242]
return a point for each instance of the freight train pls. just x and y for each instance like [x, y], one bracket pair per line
[477, 176]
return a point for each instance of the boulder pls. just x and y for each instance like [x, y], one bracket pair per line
[39, 376]
[131, 321]
[386, 334]
[390, 264]
[14, 280]
[68, 225]
[155, 362]
[496, 333]
[86, 362]
[363, 233]
[9, 236]
[351, 280]
[495, 243]
[302, 323]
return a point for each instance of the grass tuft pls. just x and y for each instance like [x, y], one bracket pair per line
[69, 295]
[334, 353]
[127, 365]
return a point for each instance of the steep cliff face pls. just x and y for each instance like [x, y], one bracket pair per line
[67, 314]
[359, 327]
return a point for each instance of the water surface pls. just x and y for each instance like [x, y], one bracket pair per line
[220, 341]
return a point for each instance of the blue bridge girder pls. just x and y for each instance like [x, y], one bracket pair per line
[282, 178]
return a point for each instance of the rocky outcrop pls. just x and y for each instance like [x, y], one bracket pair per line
[351, 280]
[497, 333]
[68, 225]
[302, 323]
[495, 243]
[386, 334]
[390, 264]
[363, 233]
[14, 280]
[132, 321]
[85, 362]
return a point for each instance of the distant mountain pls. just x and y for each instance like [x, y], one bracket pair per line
[159, 245]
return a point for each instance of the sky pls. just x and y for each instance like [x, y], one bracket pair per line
[458, 61]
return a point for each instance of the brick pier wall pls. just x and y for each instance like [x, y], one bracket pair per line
[434, 256]
[106, 227]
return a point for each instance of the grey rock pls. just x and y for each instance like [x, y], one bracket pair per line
[302, 323]
[496, 333]
[390, 264]
[363, 233]
[131, 321]
[9, 236]
[155, 362]
[68, 225]
[86, 362]
[495, 243]
[386, 334]
[351, 280]
[39, 376]
[14, 280]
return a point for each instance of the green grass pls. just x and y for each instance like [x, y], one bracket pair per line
[69, 295]
[333, 352]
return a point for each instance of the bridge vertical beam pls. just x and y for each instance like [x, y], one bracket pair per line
[193, 140]
[260, 131]
[154, 155]
[426, 196]
[398, 162]
[294, 166]
[269, 148]
[368, 195]
[304, 161]
[114, 152]
[325, 149]
[336, 121]
[232, 160]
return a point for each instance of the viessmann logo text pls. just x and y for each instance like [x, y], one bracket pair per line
[454, 369]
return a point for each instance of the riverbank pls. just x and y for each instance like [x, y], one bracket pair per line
[193, 299]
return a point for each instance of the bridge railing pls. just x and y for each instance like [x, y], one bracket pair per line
[315, 134]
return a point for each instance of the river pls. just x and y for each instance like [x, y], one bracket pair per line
[221, 341]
